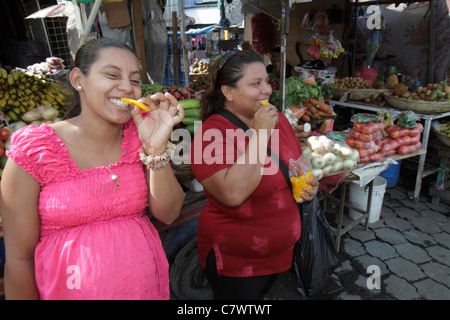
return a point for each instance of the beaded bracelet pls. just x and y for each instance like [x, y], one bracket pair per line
[159, 161]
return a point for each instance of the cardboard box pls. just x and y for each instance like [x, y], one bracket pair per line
[117, 14]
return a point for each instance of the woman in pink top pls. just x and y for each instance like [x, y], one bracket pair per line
[74, 194]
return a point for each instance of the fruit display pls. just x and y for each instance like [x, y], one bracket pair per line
[350, 83]
[368, 138]
[199, 67]
[439, 92]
[22, 91]
[391, 78]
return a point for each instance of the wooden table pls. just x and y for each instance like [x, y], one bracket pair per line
[339, 231]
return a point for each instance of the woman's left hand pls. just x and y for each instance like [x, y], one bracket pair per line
[313, 191]
[155, 129]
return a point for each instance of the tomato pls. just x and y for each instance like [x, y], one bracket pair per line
[4, 134]
[354, 133]
[363, 153]
[416, 146]
[394, 133]
[375, 157]
[389, 146]
[364, 160]
[350, 141]
[403, 141]
[404, 150]
[404, 132]
[415, 139]
[389, 128]
[414, 132]
[419, 127]
[389, 153]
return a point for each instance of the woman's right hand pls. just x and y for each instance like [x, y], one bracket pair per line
[265, 118]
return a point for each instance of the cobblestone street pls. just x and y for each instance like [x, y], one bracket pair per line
[410, 244]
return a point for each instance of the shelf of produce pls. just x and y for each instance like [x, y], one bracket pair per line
[427, 118]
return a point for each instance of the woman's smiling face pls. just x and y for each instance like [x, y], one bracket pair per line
[114, 75]
[252, 89]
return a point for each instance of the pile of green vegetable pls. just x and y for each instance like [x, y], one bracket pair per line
[296, 92]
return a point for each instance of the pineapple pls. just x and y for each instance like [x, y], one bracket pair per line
[379, 82]
[392, 79]
[400, 89]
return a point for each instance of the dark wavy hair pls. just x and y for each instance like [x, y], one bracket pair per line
[86, 56]
[227, 72]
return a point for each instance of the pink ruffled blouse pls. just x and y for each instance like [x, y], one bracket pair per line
[96, 241]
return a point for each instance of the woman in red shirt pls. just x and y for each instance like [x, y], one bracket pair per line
[248, 229]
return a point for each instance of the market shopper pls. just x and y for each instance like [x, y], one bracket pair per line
[248, 228]
[74, 194]
[274, 67]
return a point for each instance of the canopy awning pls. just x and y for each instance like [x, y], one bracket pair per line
[205, 30]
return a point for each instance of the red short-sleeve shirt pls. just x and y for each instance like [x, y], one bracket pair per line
[257, 237]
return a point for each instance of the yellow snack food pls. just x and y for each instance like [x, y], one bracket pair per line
[299, 184]
[136, 103]
[264, 103]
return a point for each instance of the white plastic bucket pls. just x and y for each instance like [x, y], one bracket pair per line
[358, 198]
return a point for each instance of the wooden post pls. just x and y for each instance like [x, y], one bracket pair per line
[431, 42]
[139, 40]
[175, 47]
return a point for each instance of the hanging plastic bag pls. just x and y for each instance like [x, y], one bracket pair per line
[263, 34]
[315, 254]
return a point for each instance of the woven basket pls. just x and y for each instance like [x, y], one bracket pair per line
[358, 94]
[442, 137]
[419, 106]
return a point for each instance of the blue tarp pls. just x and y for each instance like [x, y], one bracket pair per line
[205, 30]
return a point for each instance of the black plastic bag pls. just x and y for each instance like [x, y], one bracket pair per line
[315, 254]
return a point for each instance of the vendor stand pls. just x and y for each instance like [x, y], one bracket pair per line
[428, 118]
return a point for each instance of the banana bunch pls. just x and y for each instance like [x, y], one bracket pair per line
[445, 128]
[21, 91]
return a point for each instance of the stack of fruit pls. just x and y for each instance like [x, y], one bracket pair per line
[406, 133]
[22, 91]
[431, 92]
[366, 131]
[199, 67]
[350, 83]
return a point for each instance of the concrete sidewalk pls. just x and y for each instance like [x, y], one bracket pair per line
[410, 245]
